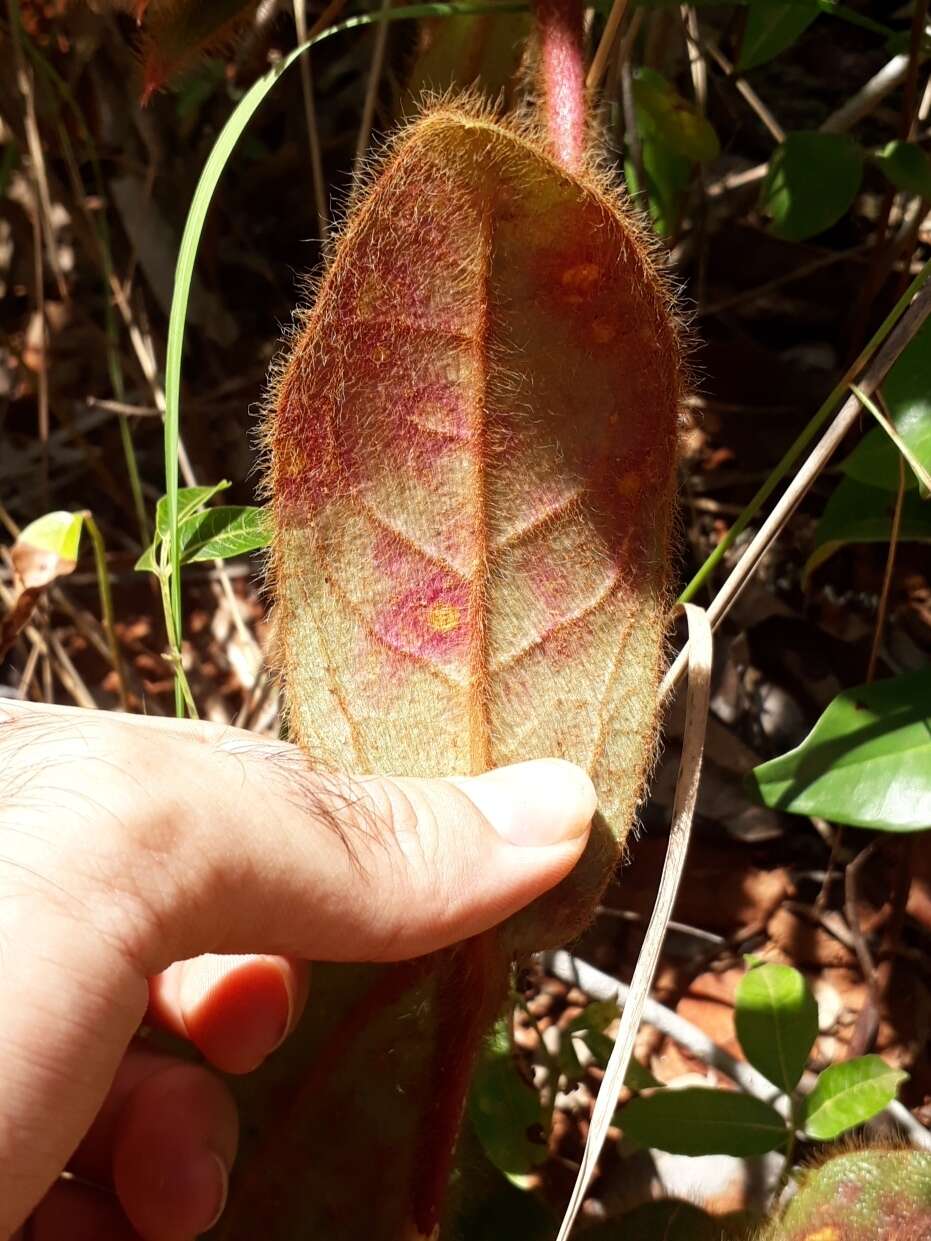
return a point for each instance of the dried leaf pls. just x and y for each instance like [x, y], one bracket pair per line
[45, 550]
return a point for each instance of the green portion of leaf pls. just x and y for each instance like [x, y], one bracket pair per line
[589, 1027]
[813, 178]
[916, 466]
[147, 562]
[697, 1121]
[596, 1016]
[674, 136]
[667, 117]
[907, 394]
[907, 167]
[638, 1077]
[667, 177]
[58, 534]
[190, 499]
[859, 514]
[848, 1094]
[218, 533]
[505, 1109]
[770, 29]
[866, 763]
[777, 1022]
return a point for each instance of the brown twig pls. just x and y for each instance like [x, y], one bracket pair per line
[867, 1025]
[883, 605]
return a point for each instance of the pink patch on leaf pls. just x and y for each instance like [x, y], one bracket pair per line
[430, 619]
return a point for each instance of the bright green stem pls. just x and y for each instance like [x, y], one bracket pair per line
[183, 695]
[804, 439]
[106, 605]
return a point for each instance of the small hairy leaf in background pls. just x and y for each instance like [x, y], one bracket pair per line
[777, 1022]
[177, 33]
[770, 29]
[866, 763]
[702, 1121]
[813, 179]
[849, 1094]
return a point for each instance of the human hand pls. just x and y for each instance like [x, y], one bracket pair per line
[138, 857]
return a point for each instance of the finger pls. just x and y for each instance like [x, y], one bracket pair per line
[236, 1009]
[93, 1159]
[80, 1213]
[124, 849]
[174, 1146]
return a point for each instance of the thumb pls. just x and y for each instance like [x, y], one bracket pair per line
[277, 857]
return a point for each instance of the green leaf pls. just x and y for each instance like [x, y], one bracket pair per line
[147, 562]
[907, 167]
[219, 533]
[813, 178]
[663, 114]
[505, 1109]
[907, 394]
[190, 499]
[777, 1022]
[57, 534]
[667, 177]
[596, 1016]
[638, 1077]
[866, 763]
[770, 29]
[674, 135]
[848, 1094]
[859, 514]
[698, 1121]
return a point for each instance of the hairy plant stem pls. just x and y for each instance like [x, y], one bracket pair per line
[561, 79]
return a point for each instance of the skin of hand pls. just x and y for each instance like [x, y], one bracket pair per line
[182, 875]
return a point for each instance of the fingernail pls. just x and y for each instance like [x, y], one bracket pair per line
[542, 802]
[214, 1174]
[237, 1009]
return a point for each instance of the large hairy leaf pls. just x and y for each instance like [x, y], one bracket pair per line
[472, 462]
[473, 458]
[861, 1195]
